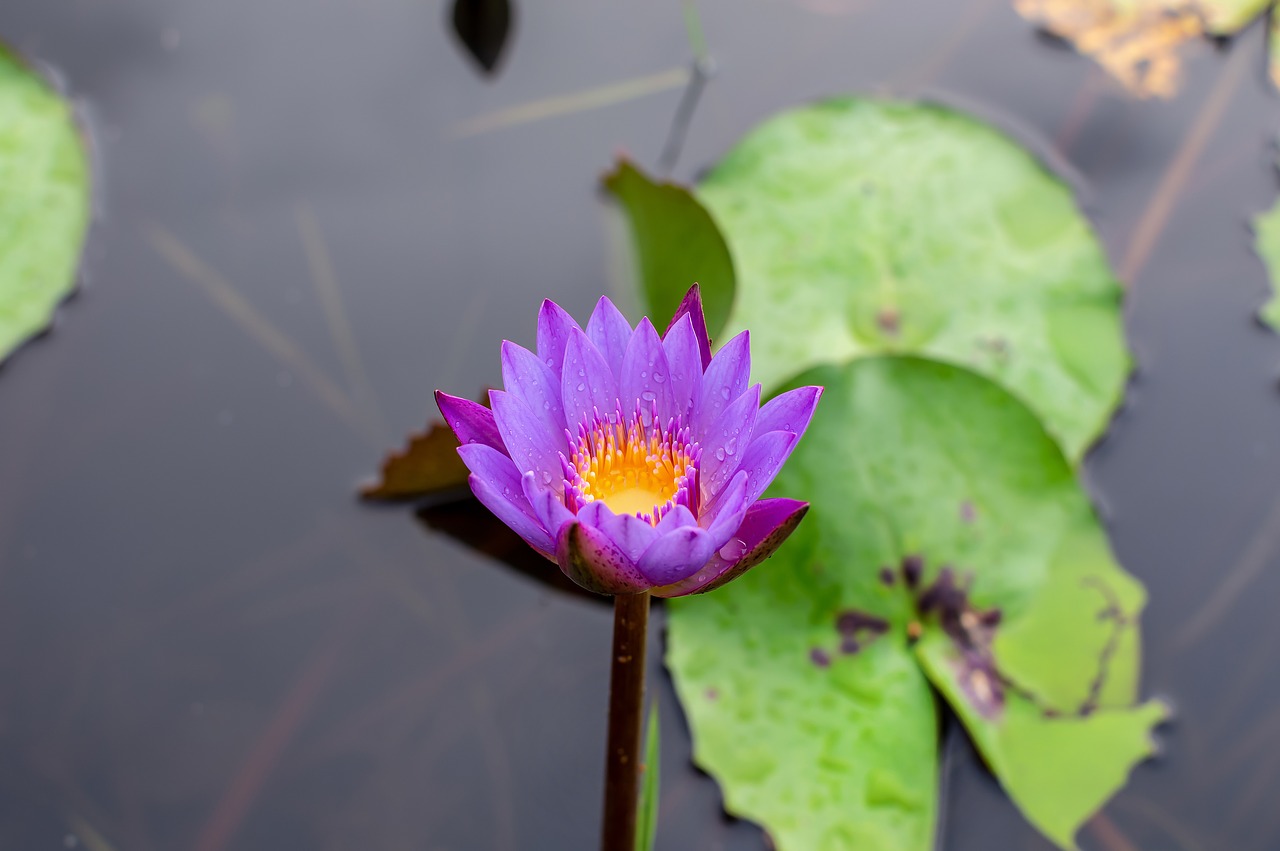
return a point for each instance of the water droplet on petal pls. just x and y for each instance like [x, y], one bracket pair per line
[659, 377]
[648, 396]
[724, 393]
[720, 454]
[732, 446]
[733, 550]
[546, 477]
[581, 387]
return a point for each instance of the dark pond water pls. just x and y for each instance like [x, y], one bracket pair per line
[206, 643]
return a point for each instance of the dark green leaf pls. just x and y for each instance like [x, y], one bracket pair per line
[647, 817]
[677, 244]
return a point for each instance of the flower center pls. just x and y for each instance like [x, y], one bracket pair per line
[632, 467]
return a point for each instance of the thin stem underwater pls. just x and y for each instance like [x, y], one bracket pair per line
[626, 702]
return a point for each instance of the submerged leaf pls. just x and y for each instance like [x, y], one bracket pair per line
[1266, 229]
[483, 27]
[44, 202]
[942, 508]
[862, 227]
[1140, 42]
[677, 244]
[428, 465]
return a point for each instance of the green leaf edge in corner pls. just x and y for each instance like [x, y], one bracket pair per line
[677, 244]
[44, 201]
[1266, 231]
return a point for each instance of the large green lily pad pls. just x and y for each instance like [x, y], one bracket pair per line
[44, 202]
[861, 227]
[804, 691]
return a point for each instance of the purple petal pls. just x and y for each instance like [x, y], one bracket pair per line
[685, 363]
[495, 481]
[548, 506]
[724, 380]
[554, 326]
[645, 376]
[533, 445]
[471, 422]
[610, 332]
[677, 555]
[677, 517]
[631, 534]
[587, 384]
[764, 458]
[725, 514]
[691, 306]
[790, 411]
[767, 524]
[532, 381]
[589, 558]
[725, 441]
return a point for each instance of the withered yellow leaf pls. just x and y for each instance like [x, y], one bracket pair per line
[1140, 43]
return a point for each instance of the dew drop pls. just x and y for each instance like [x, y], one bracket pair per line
[546, 405]
[546, 477]
[648, 396]
[659, 377]
[581, 387]
[644, 375]
[733, 550]
[724, 393]
[732, 446]
[720, 454]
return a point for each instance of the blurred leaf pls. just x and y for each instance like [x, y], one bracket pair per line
[862, 227]
[483, 27]
[1140, 43]
[44, 202]
[677, 244]
[428, 465]
[647, 817]
[804, 696]
[1266, 229]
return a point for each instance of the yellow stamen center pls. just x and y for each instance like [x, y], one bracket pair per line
[633, 469]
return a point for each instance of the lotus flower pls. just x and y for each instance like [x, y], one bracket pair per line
[635, 462]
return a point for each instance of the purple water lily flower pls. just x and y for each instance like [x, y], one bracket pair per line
[635, 462]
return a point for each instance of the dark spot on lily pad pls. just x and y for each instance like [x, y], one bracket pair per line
[912, 569]
[820, 657]
[887, 576]
[968, 513]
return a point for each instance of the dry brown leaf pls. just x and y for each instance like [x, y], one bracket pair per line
[1140, 44]
[428, 465]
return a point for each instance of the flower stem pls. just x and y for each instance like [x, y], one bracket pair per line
[626, 706]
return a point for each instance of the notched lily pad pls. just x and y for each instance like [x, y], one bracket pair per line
[862, 227]
[948, 534]
[44, 201]
[677, 243]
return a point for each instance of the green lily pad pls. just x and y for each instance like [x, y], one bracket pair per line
[803, 690]
[44, 202]
[1266, 229]
[862, 227]
[676, 244]
[1059, 770]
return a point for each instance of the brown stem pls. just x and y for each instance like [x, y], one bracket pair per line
[626, 702]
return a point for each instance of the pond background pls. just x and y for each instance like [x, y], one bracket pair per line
[207, 643]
